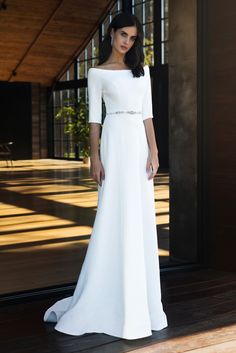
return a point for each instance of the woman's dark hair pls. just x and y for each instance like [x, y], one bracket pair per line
[134, 58]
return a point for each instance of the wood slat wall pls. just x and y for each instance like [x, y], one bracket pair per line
[40, 38]
[183, 129]
[220, 129]
[39, 121]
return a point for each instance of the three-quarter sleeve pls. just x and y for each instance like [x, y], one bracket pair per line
[94, 96]
[147, 111]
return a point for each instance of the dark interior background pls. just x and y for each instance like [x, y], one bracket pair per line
[15, 118]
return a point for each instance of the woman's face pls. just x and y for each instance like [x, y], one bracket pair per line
[124, 38]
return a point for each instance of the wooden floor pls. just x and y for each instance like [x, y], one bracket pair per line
[200, 307]
[47, 211]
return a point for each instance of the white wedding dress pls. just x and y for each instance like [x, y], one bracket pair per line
[118, 291]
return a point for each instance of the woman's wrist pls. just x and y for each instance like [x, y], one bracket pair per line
[94, 156]
[153, 151]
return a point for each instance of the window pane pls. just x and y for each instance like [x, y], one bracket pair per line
[89, 50]
[138, 11]
[135, 2]
[64, 144]
[166, 6]
[149, 55]
[95, 45]
[105, 25]
[56, 98]
[164, 53]
[89, 64]
[148, 34]
[80, 69]
[164, 30]
[57, 149]
[148, 17]
[71, 72]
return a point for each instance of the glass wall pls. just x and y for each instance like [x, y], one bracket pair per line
[164, 31]
[65, 145]
[144, 11]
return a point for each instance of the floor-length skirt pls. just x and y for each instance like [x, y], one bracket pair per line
[118, 291]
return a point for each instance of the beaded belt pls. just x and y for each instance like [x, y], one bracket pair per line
[125, 111]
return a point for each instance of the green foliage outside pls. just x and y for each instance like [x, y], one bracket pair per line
[148, 52]
[74, 116]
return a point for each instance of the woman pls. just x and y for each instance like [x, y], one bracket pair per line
[118, 291]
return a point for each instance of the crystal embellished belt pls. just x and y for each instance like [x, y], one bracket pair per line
[125, 111]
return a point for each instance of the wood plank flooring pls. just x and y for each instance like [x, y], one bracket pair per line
[47, 209]
[200, 307]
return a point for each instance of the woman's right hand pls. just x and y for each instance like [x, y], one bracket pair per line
[97, 170]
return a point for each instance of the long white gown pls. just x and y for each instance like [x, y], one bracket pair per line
[118, 290]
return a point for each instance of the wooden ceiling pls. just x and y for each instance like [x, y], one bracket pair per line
[39, 39]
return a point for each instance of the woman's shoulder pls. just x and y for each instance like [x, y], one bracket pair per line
[94, 70]
[94, 74]
[97, 70]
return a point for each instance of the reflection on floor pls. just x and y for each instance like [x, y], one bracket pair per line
[47, 211]
[200, 307]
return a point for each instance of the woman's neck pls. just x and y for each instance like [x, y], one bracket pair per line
[116, 58]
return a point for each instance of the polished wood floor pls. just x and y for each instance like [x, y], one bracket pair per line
[47, 209]
[200, 307]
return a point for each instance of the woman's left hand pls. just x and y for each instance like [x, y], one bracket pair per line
[152, 164]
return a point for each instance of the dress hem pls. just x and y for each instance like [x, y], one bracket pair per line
[113, 333]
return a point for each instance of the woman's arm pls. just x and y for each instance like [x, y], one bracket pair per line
[147, 115]
[96, 169]
[94, 134]
[153, 161]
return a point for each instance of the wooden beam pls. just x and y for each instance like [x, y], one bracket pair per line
[85, 42]
[52, 15]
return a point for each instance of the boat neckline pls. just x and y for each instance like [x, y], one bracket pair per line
[98, 68]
